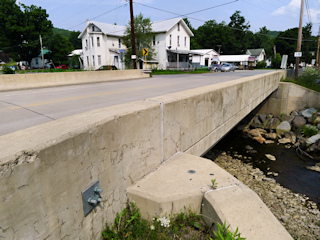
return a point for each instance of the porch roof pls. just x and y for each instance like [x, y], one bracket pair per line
[185, 52]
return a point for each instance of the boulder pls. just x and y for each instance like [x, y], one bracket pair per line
[283, 127]
[294, 113]
[292, 136]
[259, 139]
[313, 139]
[308, 112]
[270, 136]
[256, 122]
[284, 140]
[270, 157]
[268, 141]
[262, 117]
[274, 123]
[287, 118]
[299, 121]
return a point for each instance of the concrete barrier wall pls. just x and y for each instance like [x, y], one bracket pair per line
[10, 82]
[44, 169]
[289, 97]
[194, 120]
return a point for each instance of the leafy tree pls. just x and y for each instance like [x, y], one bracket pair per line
[193, 44]
[286, 43]
[240, 35]
[144, 37]
[262, 39]
[60, 47]
[20, 27]
[74, 40]
[276, 62]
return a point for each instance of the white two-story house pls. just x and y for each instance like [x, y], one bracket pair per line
[102, 44]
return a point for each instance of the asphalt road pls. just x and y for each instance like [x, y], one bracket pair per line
[26, 108]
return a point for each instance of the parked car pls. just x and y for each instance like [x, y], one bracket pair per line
[62, 66]
[228, 67]
[107, 67]
[214, 67]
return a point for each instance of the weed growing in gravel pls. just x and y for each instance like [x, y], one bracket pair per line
[129, 225]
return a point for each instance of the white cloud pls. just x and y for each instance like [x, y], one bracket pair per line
[291, 8]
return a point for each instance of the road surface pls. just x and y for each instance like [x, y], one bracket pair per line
[26, 108]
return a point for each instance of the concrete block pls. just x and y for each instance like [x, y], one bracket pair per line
[241, 208]
[172, 189]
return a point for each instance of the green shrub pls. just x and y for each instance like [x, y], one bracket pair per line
[225, 234]
[7, 70]
[261, 64]
[309, 130]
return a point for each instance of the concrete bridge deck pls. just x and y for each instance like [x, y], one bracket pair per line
[44, 169]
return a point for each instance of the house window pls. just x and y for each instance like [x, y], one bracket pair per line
[185, 41]
[37, 61]
[99, 60]
[154, 40]
[88, 63]
[178, 26]
[119, 42]
[178, 41]
[98, 42]
[170, 38]
[92, 28]
[93, 63]
[86, 42]
[92, 41]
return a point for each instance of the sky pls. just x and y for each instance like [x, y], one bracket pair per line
[276, 15]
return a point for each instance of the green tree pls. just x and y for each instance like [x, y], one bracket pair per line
[60, 47]
[286, 43]
[263, 40]
[20, 27]
[276, 62]
[240, 35]
[74, 40]
[144, 37]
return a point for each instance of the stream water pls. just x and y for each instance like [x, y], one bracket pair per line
[290, 167]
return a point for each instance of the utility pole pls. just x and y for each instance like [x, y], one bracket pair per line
[299, 39]
[133, 38]
[317, 58]
[41, 52]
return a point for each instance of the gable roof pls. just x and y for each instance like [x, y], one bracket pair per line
[167, 25]
[106, 28]
[204, 51]
[255, 52]
[157, 27]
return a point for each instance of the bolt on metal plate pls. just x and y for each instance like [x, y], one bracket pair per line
[91, 197]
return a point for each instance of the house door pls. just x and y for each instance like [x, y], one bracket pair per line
[116, 61]
[206, 62]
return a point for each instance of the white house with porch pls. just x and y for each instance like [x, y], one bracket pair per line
[204, 57]
[102, 45]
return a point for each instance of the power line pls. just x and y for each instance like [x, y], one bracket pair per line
[237, 29]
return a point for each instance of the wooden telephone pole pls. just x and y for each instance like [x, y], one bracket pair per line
[133, 38]
[317, 58]
[299, 39]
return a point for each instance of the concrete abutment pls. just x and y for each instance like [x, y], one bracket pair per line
[44, 169]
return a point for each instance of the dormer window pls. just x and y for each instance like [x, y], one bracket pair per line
[93, 29]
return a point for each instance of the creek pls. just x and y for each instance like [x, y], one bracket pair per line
[291, 170]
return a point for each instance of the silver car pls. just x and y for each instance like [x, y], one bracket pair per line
[228, 67]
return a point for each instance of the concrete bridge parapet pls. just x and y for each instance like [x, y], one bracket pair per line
[44, 169]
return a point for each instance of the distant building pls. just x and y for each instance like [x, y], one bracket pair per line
[37, 61]
[259, 54]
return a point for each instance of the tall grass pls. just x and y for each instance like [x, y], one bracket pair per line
[310, 78]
